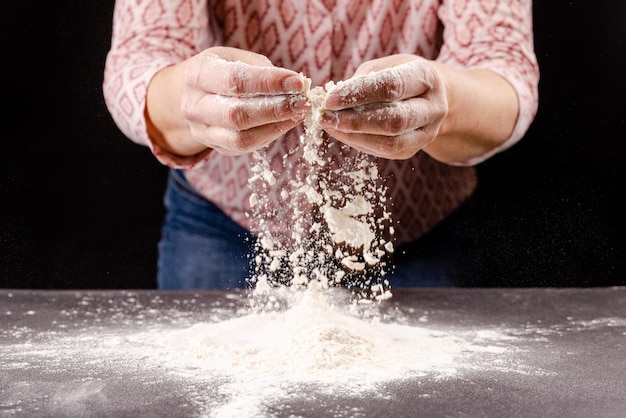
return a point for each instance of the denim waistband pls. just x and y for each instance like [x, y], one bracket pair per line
[178, 179]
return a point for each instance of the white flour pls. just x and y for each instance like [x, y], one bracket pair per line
[264, 358]
[340, 229]
[312, 341]
[258, 359]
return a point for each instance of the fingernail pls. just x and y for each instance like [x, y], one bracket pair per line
[293, 84]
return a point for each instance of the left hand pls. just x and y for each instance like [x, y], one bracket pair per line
[391, 108]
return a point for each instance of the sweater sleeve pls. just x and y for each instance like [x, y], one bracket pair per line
[148, 36]
[497, 36]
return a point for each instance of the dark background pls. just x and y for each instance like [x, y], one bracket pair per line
[81, 204]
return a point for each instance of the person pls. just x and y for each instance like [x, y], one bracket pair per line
[427, 89]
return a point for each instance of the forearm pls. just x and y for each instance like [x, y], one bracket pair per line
[482, 113]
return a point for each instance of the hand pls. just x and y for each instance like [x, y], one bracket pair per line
[236, 101]
[391, 108]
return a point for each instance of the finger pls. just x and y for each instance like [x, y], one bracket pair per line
[245, 113]
[398, 147]
[390, 119]
[410, 79]
[216, 75]
[229, 142]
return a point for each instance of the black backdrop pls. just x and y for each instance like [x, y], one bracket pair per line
[81, 205]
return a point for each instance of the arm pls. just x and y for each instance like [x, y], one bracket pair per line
[497, 39]
[146, 39]
[167, 90]
[476, 99]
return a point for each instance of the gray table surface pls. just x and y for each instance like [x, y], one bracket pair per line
[563, 355]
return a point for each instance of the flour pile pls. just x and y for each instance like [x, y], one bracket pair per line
[340, 229]
[266, 358]
[314, 340]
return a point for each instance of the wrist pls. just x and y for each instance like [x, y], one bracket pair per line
[482, 111]
[448, 77]
[165, 124]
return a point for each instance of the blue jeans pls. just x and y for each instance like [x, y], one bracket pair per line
[202, 248]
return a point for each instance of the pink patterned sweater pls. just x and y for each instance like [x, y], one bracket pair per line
[325, 40]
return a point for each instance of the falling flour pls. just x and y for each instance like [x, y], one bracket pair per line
[340, 229]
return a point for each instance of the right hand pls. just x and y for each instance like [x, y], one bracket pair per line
[236, 101]
[230, 100]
